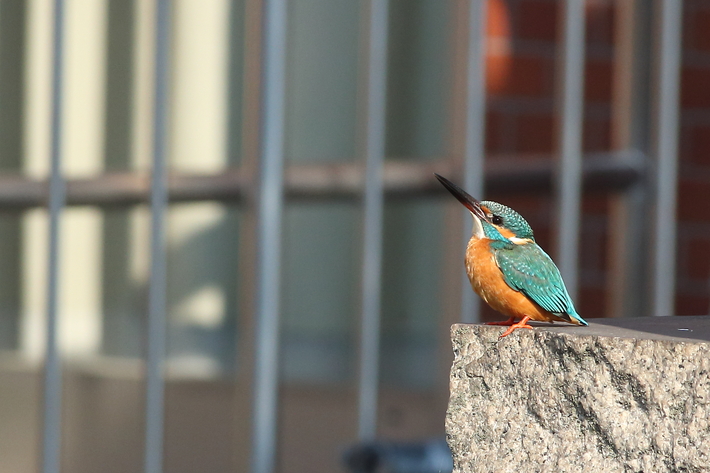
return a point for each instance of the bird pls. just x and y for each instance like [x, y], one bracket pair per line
[509, 270]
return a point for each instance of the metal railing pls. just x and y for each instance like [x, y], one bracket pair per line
[157, 295]
[269, 235]
[51, 445]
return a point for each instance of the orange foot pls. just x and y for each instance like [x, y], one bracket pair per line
[508, 322]
[521, 324]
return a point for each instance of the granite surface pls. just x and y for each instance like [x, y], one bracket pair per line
[625, 395]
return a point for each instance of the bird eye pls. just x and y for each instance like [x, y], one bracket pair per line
[497, 220]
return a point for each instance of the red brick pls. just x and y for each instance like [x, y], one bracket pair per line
[590, 253]
[600, 22]
[543, 237]
[591, 302]
[498, 57]
[595, 204]
[597, 83]
[529, 206]
[695, 87]
[498, 69]
[691, 305]
[494, 135]
[537, 20]
[597, 135]
[693, 201]
[534, 134]
[699, 30]
[699, 146]
[498, 23]
[698, 259]
[529, 76]
[604, 251]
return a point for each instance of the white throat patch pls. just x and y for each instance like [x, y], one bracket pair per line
[477, 227]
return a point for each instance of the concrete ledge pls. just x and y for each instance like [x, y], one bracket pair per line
[622, 395]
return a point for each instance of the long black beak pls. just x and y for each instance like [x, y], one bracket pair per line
[469, 202]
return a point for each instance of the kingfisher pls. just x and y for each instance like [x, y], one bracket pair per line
[509, 270]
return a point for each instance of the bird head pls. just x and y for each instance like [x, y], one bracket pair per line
[491, 219]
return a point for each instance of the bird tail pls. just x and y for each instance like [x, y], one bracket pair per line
[577, 319]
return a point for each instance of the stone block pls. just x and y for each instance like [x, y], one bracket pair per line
[622, 395]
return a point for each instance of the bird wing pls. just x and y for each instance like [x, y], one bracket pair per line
[528, 269]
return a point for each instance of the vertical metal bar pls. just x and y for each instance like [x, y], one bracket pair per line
[251, 18]
[668, 52]
[569, 176]
[269, 236]
[372, 223]
[629, 226]
[157, 312]
[51, 436]
[474, 153]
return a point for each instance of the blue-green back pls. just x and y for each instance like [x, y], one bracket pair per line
[528, 269]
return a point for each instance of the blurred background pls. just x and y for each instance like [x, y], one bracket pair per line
[640, 146]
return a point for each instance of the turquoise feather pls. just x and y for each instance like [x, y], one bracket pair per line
[510, 219]
[528, 269]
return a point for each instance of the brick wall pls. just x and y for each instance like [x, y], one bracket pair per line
[694, 170]
[521, 79]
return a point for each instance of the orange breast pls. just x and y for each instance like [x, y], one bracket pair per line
[487, 280]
